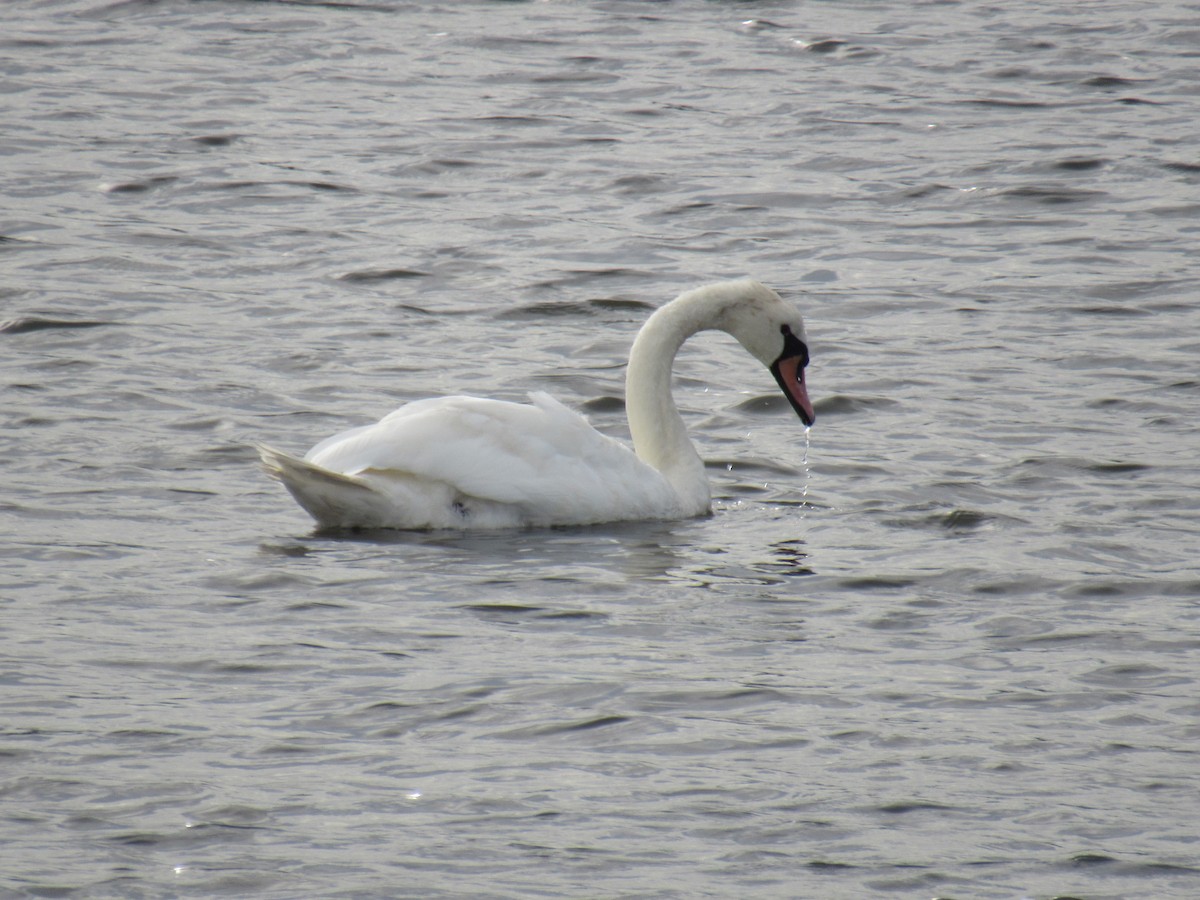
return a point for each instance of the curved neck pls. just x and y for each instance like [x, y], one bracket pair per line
[659, 436]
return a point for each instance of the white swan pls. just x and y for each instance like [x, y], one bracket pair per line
[466, 463]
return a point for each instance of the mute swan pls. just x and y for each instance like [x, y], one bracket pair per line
[467, 463]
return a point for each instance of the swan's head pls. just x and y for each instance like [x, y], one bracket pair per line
[772, 331]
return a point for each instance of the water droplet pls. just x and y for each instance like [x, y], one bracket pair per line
[807, 472]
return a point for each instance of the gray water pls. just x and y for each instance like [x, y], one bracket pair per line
[953, 651]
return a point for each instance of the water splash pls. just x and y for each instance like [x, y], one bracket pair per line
[807, 472]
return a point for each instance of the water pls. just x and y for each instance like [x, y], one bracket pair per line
[952, 655]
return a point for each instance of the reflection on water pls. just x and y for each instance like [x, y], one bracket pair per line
[625, 553]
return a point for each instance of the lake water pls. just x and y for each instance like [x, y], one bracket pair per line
[948, 646]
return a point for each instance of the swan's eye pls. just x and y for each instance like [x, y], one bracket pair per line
[793, 347]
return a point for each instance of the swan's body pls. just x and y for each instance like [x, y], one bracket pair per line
[466, 462]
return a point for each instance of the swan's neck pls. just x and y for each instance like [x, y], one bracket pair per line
[659, 436]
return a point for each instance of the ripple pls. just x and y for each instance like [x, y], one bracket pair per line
[1110, 81]
[962, 521]
[138, 187]
[574, 277]
[1130, 675]
[844, 405]
[26, 324]
[878, 583]
[1081, 163]
[539, 311]
[562, 728]
[216, 140]
[903, 807]
[606, 404]
[1052, 195]
[370, 276]
[764, 405]
[620, 304]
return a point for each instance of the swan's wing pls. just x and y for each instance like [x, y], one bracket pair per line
[543, 458]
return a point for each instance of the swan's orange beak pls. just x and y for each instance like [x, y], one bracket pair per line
[789, 372]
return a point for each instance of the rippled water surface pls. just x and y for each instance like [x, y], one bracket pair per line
[951, 652]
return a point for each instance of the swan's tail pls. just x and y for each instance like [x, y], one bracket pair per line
[333, 499]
